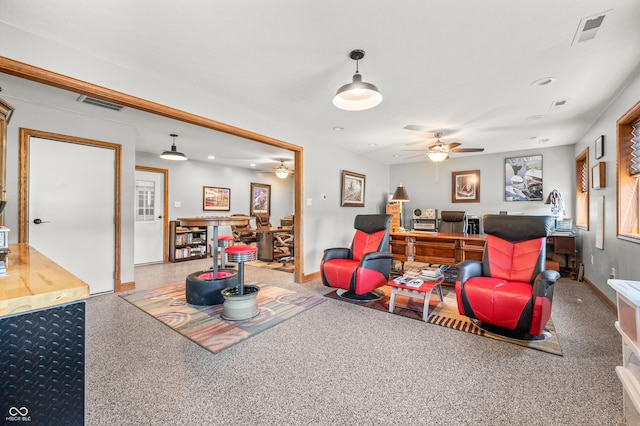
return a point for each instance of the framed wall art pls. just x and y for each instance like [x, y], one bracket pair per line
[260, 198]
[599, 175]
[523, 178]
[216, 199]
[600, 147]
[465, 186]
[352, 189]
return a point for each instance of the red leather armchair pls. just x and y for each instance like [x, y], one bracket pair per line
[509, 292]
[363, 267]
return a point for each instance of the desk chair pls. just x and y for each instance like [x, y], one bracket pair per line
[244, 234]
[284, 240]
[262, 220]
[453, 222]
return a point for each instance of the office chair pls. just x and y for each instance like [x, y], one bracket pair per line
[243, 233]
[453, 222]
[262, 220]
[283, 241]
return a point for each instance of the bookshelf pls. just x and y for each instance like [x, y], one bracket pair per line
[187, 242]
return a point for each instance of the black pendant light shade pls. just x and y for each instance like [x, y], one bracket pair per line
[357, 95]
[173, 155]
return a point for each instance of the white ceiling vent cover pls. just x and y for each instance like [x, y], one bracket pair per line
[100, 103]
[558, 104]
[588, 27]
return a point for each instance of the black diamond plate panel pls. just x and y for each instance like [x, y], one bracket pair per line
[42, 366]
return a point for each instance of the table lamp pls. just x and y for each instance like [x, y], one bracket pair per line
[400, 195]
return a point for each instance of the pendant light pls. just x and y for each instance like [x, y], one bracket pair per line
[282, 171]
[357, 95]
[173, 154]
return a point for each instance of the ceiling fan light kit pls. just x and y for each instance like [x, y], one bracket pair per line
[173, 155]
[282, 171]
[438, 157]
[357, 95]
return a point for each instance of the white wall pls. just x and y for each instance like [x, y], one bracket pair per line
[619, 254]
[429, 184]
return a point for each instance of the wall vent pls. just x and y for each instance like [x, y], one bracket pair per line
[99, 102]
[588, 28]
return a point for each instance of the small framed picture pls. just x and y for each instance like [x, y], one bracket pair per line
[352, 194]
[600, 147]
[465, 186]
[216, 199]
[260, 198]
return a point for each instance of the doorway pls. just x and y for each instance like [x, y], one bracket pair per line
[151, 210]
[69, 204]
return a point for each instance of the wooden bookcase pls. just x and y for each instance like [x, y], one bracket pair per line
[187, 243]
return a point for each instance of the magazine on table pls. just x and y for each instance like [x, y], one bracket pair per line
[408, 281]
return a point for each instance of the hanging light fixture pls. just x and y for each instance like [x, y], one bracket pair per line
[173, 154]
[438, 157]
[282, 171]
[357, 95]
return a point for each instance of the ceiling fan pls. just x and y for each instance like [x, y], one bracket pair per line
[439, 151]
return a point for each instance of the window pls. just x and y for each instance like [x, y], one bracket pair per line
[582, 190]
[628, 172]
[145, 201]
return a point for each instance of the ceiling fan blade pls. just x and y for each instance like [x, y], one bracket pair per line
[452, 145]
[467, 150]
[417, 150]
[415, 156]
[417, 128]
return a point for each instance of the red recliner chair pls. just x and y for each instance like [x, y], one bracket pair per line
[359, 270]
[509, 292]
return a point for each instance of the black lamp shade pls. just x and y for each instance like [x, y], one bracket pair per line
[400, 194]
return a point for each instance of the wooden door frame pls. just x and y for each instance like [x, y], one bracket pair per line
[23, 188]
[165, 208]
[32, 73]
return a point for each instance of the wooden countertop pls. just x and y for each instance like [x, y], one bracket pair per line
[213, 220]
[34, 281]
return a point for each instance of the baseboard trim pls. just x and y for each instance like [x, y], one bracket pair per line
[131, 285]
[310, 277]
[608, 302]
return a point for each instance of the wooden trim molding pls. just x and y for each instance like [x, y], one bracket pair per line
[165, 208]
[608, 302]
[32, 73]
[6, 110]
[23, 188]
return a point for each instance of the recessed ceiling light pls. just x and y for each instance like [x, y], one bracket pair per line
[338, 128]
[544, 140]
[535, 117]
[532, 138]
[373, 144]
[211, 157]
[544, 81]
[396, 155]
[252, 164]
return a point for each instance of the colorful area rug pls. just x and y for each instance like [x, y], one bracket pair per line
[276, 266]
[447, 316]
[203, 324]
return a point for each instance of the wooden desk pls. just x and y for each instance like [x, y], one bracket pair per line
[565, 245]
[441, 248]
[265, 241]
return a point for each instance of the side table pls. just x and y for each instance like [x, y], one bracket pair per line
[422, 293]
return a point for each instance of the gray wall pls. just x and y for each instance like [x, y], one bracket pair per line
[619, 254]
[429, 184]
[186, 179]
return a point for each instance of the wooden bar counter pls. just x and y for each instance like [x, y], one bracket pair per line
[436, 247]
[42, 340]
[34, 281]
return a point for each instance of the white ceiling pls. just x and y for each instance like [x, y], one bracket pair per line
[464, 68]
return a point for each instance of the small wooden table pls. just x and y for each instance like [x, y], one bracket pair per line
[422, 293]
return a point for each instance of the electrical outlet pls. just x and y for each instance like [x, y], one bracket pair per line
[179, 204]
[612, 274]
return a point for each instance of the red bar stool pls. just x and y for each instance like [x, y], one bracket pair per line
[224, 241]
[240, 302]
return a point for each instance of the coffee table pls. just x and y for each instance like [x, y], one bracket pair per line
[422, 293]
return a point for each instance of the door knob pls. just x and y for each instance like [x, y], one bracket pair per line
[39, 221]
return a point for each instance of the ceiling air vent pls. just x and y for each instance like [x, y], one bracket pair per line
[100, 103]
[588, 27]
[558, 104]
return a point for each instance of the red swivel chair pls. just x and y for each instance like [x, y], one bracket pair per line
[363, 267]
[509, 292]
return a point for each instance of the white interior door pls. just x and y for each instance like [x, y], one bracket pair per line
[71, 208]
[149, 222]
